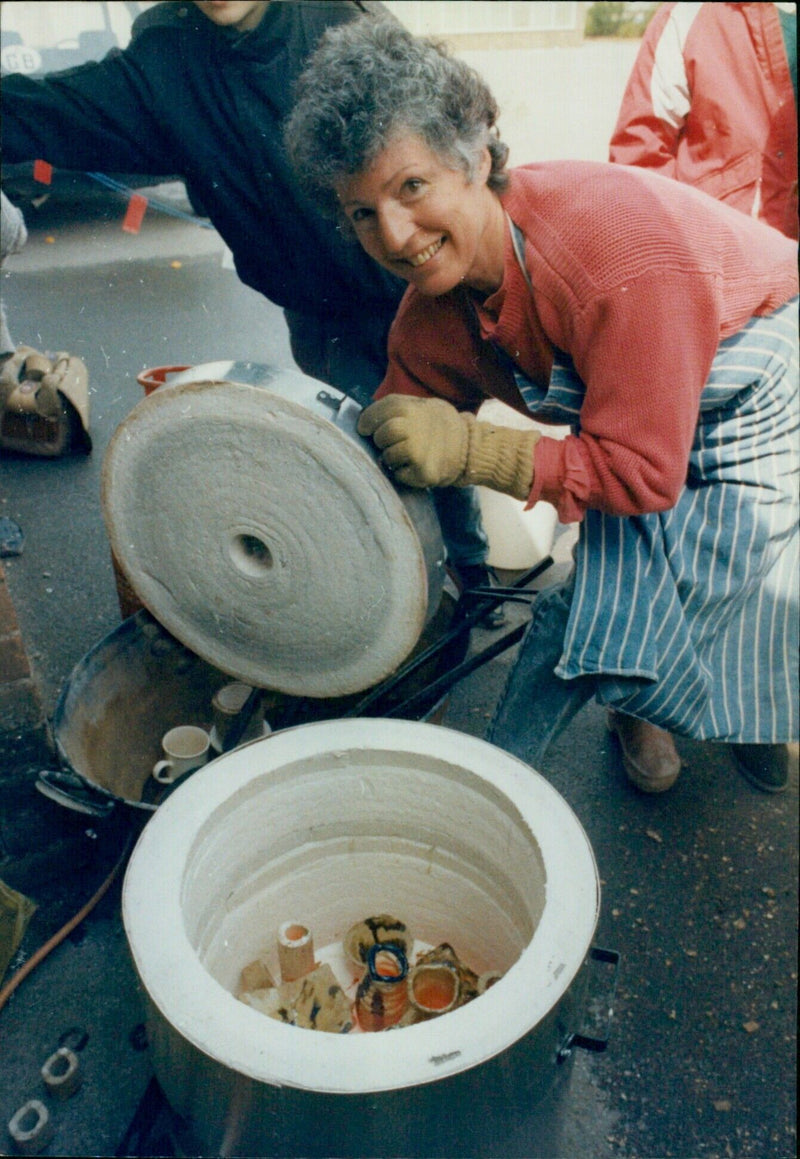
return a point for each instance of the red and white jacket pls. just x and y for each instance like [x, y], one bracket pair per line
[710, 102]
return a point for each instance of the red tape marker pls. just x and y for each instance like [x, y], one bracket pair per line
[134, 214]
[43, 172]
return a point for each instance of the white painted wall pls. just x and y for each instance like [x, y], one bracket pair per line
[442, 17]
[557, 102]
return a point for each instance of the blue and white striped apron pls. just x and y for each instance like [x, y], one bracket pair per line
[690, 617]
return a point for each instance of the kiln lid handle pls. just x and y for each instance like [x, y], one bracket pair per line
[595, 1043]
[72, 791]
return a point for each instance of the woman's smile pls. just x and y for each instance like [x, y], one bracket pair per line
[427, 254]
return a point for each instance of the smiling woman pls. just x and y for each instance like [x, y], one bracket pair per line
[419, 177]
[655, 322]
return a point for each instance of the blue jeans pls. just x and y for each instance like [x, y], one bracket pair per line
[350, 355]
[536, 705]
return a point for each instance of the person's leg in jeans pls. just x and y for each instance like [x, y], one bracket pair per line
[536, 705]
[460, 517]
[459, 513]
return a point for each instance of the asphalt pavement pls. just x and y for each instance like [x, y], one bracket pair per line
[699, 885]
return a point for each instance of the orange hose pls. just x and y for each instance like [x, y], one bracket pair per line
[65, 930]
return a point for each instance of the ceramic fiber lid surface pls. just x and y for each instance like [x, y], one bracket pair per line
[264, 538]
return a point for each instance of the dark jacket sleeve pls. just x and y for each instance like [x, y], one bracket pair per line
[95, 116]
[108, 115]
[188, 98]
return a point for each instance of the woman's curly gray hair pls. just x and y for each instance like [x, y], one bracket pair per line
[369, 80]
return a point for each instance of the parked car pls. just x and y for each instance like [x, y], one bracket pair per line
[37, 38]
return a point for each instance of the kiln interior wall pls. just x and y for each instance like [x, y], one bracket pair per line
[334, 838]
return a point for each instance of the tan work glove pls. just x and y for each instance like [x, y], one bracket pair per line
[426, 442]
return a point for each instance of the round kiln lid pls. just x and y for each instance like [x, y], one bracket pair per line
[264, 538]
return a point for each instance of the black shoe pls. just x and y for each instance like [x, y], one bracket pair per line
[766, 766]
[479, 575]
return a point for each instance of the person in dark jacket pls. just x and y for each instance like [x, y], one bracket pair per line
[202, 91]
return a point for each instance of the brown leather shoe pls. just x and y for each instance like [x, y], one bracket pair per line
[648, 752]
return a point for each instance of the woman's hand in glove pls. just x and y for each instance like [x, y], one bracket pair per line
[426, 442]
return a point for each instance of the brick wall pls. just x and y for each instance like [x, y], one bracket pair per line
[24, 732]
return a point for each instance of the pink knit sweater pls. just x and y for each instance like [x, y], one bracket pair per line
[637, 278]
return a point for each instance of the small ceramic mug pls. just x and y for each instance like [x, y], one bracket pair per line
[227, 705]
[185, 748]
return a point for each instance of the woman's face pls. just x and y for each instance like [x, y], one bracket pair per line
[426, 222]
